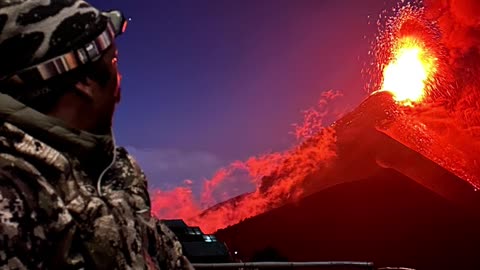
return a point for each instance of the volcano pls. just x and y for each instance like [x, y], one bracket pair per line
[398, 193]
[393, 182]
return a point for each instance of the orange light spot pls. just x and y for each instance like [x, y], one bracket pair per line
[409, 71]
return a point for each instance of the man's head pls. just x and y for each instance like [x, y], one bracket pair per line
[59, 57]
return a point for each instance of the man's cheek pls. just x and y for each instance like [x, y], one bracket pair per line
[118, 91]
[119, 79]
[118, 94]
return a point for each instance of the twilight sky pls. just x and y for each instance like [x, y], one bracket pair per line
[206, 82]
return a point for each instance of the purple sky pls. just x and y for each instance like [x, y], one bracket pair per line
[207, 82]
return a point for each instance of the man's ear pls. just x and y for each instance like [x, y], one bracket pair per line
[86, 87]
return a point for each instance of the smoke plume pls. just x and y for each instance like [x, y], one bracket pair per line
[459, 24]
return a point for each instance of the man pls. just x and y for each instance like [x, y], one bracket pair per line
[69, 199]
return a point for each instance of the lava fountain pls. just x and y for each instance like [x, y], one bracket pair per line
[410, 70]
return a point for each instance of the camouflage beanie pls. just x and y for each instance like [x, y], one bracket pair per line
[32, 31]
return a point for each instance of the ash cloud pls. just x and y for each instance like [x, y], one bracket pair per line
[459, 23]
[168, 168]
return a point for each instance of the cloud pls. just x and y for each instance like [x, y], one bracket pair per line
[181, 183]
[459, 21]
[168, 168]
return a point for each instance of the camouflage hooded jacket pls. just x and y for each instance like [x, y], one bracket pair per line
[64, 204]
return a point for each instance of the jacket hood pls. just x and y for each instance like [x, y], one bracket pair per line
[96, 151]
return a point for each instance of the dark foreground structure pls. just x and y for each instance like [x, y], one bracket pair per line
[387, 219]
[197, 246]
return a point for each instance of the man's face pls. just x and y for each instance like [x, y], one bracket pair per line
[117, 89]
[108, 96]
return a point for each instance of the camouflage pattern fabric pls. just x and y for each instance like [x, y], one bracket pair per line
[32, 31]
[55, 213]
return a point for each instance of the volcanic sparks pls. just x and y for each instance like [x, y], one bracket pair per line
[409, 71]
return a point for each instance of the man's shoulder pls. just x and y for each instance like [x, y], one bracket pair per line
[14, 167]
[18, 143]
[125, 156]
[14, 214]
[16, 201]
[126, 173]
[127, 168]
[24, 179]
[18, 183]
[24, 227]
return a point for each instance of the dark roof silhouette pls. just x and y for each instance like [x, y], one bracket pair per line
[388, 219]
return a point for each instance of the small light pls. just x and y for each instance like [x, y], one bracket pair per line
[236, 252]
[124, 26]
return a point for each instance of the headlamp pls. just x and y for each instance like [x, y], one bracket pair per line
[90, 52]
[118, 21]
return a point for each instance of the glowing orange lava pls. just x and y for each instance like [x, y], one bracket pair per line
[409, 71]
[278, 178]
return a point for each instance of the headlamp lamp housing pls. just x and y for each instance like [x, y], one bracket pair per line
[118, 21]
[90, 52]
